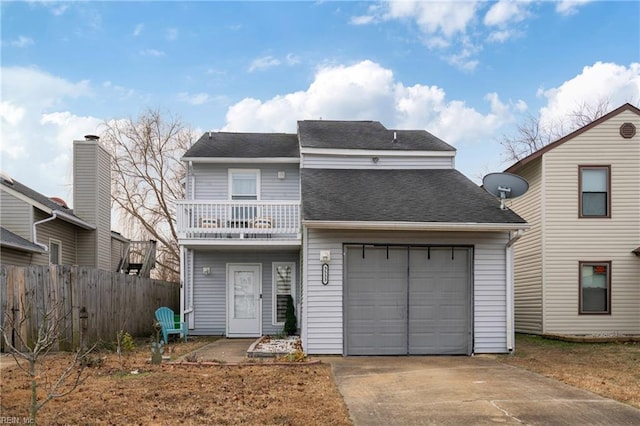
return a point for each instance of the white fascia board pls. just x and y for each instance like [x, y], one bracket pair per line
[252, 160]
[416, 226]
[375, 153]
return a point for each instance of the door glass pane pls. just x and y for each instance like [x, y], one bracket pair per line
[283, 290]
[594, 180]
[594, 288]
[244, 300]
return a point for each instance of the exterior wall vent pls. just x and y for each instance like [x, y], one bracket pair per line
[627, 130]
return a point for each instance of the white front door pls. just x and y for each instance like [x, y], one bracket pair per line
[244, 300]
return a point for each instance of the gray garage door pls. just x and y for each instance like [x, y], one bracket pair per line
[407, 300]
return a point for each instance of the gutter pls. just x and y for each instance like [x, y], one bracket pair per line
[416, 226]
[510, 288]
[58, 214]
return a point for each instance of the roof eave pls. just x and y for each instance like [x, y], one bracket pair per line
[220, 160]
[74, 220]
[19, 247]
[416, 226]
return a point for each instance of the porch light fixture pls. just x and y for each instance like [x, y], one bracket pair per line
[206, 270]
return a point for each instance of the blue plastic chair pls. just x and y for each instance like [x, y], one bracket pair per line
[165, 317]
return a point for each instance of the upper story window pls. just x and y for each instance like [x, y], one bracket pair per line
[595, 191]
[55, 252]
[244, 184]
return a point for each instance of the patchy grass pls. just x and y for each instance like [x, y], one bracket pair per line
[611, 370]
[303, 394]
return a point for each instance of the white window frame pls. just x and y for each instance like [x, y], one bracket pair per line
[59, 244]
[230, 180]
[274, 289]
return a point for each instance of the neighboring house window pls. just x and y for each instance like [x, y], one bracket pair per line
[595, 287]
[55, 252]
[595, 190]
[284, 278]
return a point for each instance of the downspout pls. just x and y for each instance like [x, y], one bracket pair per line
[54, 214]
[510, 286]
[182, 284]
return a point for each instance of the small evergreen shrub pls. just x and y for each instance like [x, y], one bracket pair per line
[290, 322]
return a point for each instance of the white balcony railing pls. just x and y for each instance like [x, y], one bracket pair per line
[238, 219]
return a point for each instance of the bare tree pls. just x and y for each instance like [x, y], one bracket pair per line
[35, 348]
[147, 179]
[532, 134]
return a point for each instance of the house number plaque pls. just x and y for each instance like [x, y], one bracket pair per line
[325, 273]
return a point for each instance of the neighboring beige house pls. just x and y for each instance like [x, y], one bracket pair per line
[577, 269]
[40, 230]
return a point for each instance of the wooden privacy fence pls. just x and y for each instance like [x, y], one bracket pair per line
[82, 301]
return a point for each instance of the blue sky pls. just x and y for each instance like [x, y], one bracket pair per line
[466, 71]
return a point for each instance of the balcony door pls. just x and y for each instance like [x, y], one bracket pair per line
[244, 300]
[244, 185]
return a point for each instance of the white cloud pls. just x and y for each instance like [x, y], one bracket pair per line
[446, 18]
[263, 63]
[21, 42]
[138, 30]
[152, 52]
[570, 7]
[172, 34]
[368, 91]
[601, 81]
[38, 129]
[193, 99]
[292, 59]
[506, 12]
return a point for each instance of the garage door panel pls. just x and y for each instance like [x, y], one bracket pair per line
[402, 300]
[376, 300]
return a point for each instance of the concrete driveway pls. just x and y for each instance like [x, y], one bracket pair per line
[465, 391]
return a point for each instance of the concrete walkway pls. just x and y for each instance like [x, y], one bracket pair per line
[465, 391]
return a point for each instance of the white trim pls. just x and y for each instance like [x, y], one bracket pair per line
[258, 305]
[274, 298]
[247, 160]
[415, 226]
[59, 244]
[230, 173]
[375, 152]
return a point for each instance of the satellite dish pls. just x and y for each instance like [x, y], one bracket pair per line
[505, 185]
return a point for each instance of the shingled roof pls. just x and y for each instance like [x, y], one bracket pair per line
[371, 135]
[10, 240]
[433, 195]
[245, 145]
[34, 195]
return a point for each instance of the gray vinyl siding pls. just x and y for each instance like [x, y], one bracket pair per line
[316, 161]
[92, 202]
[209, 291]
[211, 181]
[569, 239]
[117, 252]
[528, 251]
[16, 215]
[15, 257]
[322, 331]
[58, 230]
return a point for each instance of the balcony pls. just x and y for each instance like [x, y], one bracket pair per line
[238, 222]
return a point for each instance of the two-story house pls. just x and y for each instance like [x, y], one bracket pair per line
[385, 247]
[577, 270]
[40, 230]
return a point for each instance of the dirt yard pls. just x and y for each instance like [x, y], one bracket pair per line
[611, 370]
[302, 393]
